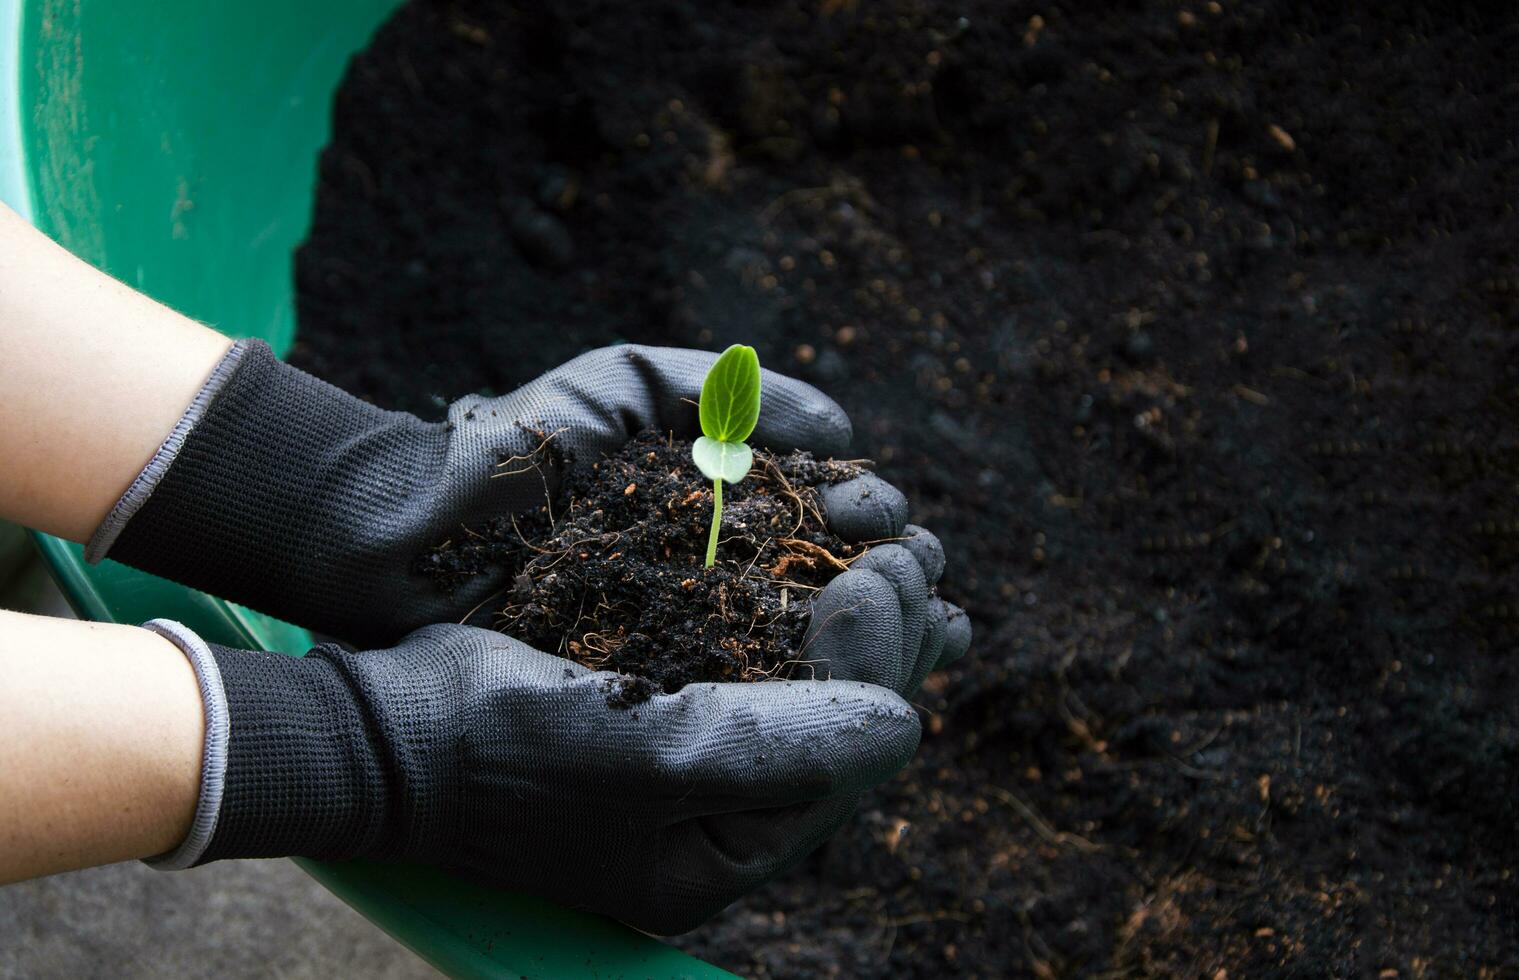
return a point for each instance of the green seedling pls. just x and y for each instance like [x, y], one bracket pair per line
[730, 404]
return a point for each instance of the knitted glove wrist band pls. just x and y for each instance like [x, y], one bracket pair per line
[142, 488]
[305, 774]
[213, 767]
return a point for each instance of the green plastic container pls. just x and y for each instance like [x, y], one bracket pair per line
[174, 145]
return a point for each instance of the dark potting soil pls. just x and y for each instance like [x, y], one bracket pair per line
[612, 575]
[1191, 328]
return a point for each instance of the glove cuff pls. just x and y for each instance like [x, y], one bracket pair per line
[213, 767]
[147, 481]
[305, 774]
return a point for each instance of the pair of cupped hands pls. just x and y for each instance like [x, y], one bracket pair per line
[503, 761]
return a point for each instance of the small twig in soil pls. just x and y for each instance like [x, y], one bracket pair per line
[937, 916]
[890, 540]
[607, 646]
[525, 542]
[812, 664]
[579, 615]
[1193, 771]
[1201, 743]
[494, 595]
[1297, 374]
[770, 622]
[780, 204]
[793, 584]
[817, 552]
[569, 549]
[548, 498]
[1251, 395]
[1043, 829]
[761, 550]
[800, 551]
[788, 490]
[1042, 955]
[528, 457]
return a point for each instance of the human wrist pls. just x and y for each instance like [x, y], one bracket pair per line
[102, 733]
[95, 375]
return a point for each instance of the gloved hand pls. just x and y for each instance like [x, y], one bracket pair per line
[464, 748]
[283, 493]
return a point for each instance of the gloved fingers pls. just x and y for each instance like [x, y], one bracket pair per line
[957, 634]
[901, 570]
[606, 396]
[714, 747]
[946, 631]
[856, 632]
[925, 547]
[709, 862]
[935, 626]
[866, 508]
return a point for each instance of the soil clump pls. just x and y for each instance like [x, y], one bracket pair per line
[612, 577]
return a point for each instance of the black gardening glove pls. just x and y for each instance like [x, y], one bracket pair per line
[285, 494]
[466, 749]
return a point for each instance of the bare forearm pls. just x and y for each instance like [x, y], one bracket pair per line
[95, 376]
[101, 730]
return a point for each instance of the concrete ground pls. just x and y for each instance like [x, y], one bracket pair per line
[230, 919]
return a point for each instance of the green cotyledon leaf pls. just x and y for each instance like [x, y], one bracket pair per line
[730, 395]
[722, 460]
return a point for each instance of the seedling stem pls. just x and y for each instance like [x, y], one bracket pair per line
[717, 521]
[729, 409]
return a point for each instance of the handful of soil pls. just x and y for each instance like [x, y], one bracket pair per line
[611, 575]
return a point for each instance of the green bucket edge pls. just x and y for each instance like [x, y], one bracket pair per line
[112, 142]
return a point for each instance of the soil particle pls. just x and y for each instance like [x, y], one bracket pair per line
[1220, 429]
[625, 692]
